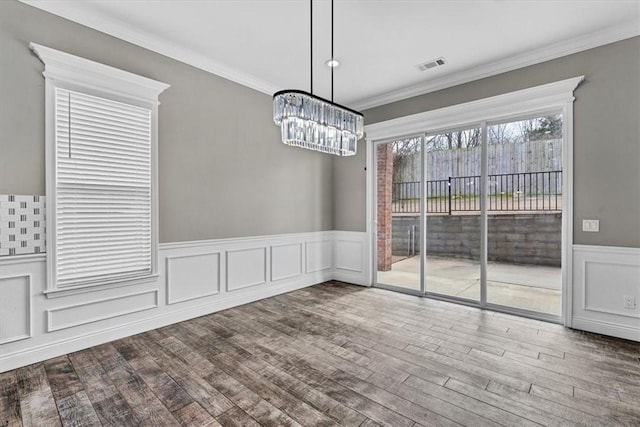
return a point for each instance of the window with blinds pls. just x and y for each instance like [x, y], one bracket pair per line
[101, 138]
[103, 197]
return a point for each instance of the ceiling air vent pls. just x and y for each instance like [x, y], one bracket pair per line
[431, 64]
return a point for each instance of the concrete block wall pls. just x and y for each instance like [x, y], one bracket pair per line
[515, 238]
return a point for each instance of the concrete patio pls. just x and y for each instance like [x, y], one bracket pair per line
[529, 287]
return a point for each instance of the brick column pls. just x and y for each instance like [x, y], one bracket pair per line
[385, 179]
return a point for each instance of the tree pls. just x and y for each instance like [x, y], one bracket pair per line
[454, 140]
[404, 155]
[501, 134]
[547, 127]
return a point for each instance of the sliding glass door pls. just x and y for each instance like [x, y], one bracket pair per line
[524, 224]
[453, 195]
[474, 215]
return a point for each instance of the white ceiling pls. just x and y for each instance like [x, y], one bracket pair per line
[264, 44]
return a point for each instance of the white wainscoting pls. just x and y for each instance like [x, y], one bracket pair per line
[194, 279]
[246, 267]
[351, 258]
[286, 261]
[93, 311]
[198, 274]
[15, 308]
[319, 255]
[603, 276]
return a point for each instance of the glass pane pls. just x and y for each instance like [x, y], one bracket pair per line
[453, 214]
[525, 214]
[398, 213]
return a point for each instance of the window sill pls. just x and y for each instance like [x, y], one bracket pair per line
[64, 292]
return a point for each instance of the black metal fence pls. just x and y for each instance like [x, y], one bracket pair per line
[527, 191]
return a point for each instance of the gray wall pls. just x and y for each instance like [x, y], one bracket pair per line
[223, 170]
[606, 138]
[349, 195]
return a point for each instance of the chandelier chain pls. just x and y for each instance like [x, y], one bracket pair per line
[332, 50]
[311, 46]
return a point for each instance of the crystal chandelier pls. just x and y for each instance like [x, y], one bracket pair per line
[308, 121]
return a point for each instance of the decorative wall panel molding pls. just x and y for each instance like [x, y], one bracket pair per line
[15, 308]
[192, 276]
[599, 298]
[352, 258]
[246, 267]
[94, 311]
[603, 276]
[350, 255]
[190, 285]
[286, 261]
[319, 255]
[22, 225]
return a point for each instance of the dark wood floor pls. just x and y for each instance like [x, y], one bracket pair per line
[335, 354]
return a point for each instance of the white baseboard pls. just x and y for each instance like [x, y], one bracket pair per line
[607, 328]
[194, 279]
[353, 279]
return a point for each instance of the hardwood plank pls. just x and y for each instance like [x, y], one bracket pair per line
[512, 368]
[246, 399]
[619, 378]
[236, 417]
[394, 367]
[114, 411]
[172, 396]
[553, 407]
[62, 377]
[307, 371]
[371, 423]
[336, 354]
[593, 399]
[259, 409]
[143, 402]
[574, 377]
[190, 380]
[10, 414]
[602, 411]
[524, 410]
[281, 399]
[474, 406]
[128, 383]
[110, 406]
[194, 415]
[76, 410]
[299, 389]
[38, 408]
[92, 375]
[431, 411]
[31, 378]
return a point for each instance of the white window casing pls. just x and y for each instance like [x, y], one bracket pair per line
[101, 173]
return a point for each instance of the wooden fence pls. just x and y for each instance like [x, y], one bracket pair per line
[531, 156]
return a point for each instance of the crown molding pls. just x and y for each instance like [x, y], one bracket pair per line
[610, 35]
[76, 12]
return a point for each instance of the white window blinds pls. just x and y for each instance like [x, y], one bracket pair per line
[103, 218]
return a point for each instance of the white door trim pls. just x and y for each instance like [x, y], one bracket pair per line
[526, 102]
